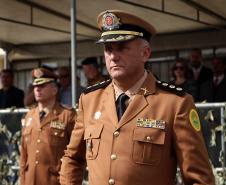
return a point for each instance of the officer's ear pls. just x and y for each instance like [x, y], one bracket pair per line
[54, 88]
[146, 51]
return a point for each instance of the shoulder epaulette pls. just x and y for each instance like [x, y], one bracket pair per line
[97, 86]
[171, 88]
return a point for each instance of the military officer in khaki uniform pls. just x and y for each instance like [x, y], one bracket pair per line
[134, 130]
[46, 132]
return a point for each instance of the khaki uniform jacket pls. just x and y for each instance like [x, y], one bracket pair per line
[123, 153]
[43, 145]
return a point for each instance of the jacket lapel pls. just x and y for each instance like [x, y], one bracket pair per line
[139, 102]
[109, 105]
[35, 118]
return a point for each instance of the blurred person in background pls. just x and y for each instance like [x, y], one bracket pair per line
[10, 96]
[180, 73]
[64, 75]
[91, 71]
[198, 71]
[214, 90]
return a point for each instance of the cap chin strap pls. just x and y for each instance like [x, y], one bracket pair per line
[122, 32]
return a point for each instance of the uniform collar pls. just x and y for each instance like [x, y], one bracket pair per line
[132, 90]
[149, 85]
[55, 109]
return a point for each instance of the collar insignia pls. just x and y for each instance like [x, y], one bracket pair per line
[110, 22]
[145, 90]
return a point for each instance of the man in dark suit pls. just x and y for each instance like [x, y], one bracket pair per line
[200, 73]
[214, 90]
[10, 96]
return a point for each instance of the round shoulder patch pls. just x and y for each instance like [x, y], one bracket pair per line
[194, 120]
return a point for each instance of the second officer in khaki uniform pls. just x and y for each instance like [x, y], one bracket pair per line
[46, 132]
[159, 129]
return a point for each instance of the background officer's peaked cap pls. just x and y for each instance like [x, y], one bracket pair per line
[119, 26]
[42, 76]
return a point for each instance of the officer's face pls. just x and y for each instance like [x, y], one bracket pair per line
[6, 79]
[64, 78]
[218, 66]
[45, 92]
[90, 71]
[125, 60]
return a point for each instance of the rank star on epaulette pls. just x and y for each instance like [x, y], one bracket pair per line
[170, 87]
[150, 123]
[57, 124]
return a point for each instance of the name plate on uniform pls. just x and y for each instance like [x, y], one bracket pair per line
[150, 123]
[57, 124]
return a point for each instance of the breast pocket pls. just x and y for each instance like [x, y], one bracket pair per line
[148, 144]
[56, 136]
[27, 135]
[92, 137]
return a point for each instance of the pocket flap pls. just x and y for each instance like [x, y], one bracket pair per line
[149, 135]
[93, 131]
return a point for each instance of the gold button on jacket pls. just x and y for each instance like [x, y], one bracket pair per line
[145, 155]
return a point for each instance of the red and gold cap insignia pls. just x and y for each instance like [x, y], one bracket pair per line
[110, 21]
[38, 73]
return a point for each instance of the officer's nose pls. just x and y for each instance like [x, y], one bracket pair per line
[114, 55]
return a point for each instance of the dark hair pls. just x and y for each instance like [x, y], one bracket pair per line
[197, 50]
[92, 61]
[47, 67]
[184, 64]
[9, 71]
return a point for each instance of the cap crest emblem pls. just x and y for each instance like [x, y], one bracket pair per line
[38, 73]
[110, 21]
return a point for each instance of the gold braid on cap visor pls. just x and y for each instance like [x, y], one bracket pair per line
[122, 32]
[42, 80]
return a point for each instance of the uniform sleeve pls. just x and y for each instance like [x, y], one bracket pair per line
[23, 160]
[190, 148]
[73, 161]
[71, 123]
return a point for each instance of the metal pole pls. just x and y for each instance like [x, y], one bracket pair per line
[73, 53]
[222, 137]
[210, 105]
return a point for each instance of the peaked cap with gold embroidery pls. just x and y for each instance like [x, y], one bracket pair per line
[42, 76]
[119, 26]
